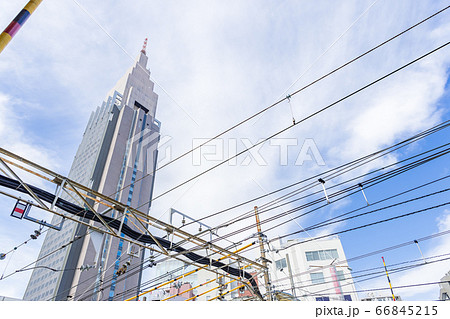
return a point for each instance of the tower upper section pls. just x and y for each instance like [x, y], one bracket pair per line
[136, 86]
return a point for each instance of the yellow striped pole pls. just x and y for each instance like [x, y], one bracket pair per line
[390, 285]
[15, 25]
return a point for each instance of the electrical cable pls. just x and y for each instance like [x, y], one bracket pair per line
[402, 67]
[294, 93]
[374, 223]
[414, 156]
[300, 121]
[327, 178]
[380, 251]
[369, 183]
[366, 184]
[328, 173]
[330, 220]
[421, 135]
[373, 211]
[334, 201]
[427, 184]
[26, 241]
[416, 211]
[401, 245]
[382, 274]
[132, 289]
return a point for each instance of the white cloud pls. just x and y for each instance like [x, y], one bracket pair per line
[14, 138]
[444, 221]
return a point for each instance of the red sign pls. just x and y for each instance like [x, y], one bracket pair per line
[20, 209]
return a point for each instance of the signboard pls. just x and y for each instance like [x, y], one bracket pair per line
[20, 209]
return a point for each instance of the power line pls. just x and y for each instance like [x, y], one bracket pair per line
[373, 271]
[327, 174]
[374, 223]
[367, 184]
[380, 251]
[419, 239]
[301, 121]
[327, 178]
[390, 248]
[292, 94]
[321, 292]
[62, 247]
[374, 181]
[422, 186]
[351, 189]
[336, 220]
[80, 211]
[428, 18]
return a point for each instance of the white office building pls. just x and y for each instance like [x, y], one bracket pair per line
[312, 270]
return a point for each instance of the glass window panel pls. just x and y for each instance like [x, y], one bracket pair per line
[317, 278]
[280, 264]
[340, 275]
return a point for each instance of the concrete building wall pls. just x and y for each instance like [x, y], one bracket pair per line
[444, 292]
[311, 270]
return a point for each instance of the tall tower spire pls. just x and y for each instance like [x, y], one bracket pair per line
[144, 47]
[111, 163]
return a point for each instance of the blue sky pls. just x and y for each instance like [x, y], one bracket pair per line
[214, 64]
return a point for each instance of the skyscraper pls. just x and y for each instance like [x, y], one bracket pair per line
[119, 148]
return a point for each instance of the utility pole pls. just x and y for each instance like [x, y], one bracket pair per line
[15, 25]
[389, 280]
[264, 260]
[288, 262]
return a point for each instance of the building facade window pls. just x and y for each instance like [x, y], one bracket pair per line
[317, 277]
[322, 298]
[340, 275]
[281, 264]
[321, 254]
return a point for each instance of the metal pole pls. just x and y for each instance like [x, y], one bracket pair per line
[15, 25]
[263, 255]
[420, 250]
[362, 190]
[288, 262]
[387, 275]
[324, 190]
